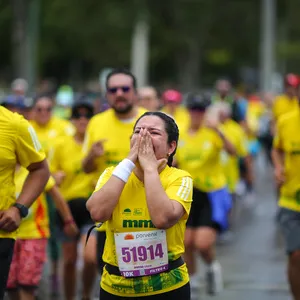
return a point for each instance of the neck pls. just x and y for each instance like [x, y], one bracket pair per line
[79, 137]
[131, 114]
[171, 110]
[195, 127]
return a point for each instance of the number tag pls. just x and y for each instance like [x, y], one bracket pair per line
[142, 253]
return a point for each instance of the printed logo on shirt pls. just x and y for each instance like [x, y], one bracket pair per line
[127, 212]
[138, 212]
[138, 224]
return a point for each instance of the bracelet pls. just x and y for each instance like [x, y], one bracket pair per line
[124, 169]
[68, 222]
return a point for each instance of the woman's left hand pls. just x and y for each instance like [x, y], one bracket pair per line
[146, 155]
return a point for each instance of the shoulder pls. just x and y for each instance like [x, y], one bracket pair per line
[288, 118]
[102, 116]
[172, 174]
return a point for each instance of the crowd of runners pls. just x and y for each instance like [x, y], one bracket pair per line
[139, 190]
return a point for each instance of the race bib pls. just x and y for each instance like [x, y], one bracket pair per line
[142, 253]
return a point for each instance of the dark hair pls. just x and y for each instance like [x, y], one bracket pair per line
[49, 96]
[170, 126]
[120, 71]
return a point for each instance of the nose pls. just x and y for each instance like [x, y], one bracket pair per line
[119, 92]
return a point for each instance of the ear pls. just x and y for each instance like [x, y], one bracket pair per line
[172, 147]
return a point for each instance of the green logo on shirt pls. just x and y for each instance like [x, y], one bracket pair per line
[138, 224]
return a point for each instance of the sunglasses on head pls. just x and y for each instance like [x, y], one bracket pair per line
[113, 90]
[78, 115]
[47, 109]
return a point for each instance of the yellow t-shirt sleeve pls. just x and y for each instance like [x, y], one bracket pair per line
[50, 184]
[103, 178]
[88, 139]
[242, 149]
[277, 141]
[181, 190]
[28, 147]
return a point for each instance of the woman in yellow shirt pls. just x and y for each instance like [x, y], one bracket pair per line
[145, 203]
[76, 187]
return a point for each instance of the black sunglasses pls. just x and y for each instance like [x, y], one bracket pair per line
[77, 115]
[113, 90]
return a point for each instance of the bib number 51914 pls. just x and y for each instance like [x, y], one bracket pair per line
[142, 253]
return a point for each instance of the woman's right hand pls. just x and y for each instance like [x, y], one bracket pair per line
[134, 147]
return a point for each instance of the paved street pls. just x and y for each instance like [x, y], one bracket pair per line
[254, 262]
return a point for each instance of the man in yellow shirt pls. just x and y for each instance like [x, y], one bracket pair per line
[18, 144]
[286, 159]
[107, 139]
[148, 98]
[287, 101]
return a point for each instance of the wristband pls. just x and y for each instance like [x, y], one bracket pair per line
[124, 169]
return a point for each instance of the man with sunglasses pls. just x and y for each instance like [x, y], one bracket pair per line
[108, 135]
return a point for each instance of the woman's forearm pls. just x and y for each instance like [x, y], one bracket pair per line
[164, 212]
[102, 203]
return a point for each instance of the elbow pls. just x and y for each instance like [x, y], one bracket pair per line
[163, 222]
[96, 213]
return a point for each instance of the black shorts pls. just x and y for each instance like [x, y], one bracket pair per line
[201, 212]
[183, 293]
[6, 253]
[80, 215]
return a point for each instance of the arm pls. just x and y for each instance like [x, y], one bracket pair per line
[34, 183]
[89, 163]
[164, 212]
[103, 201]
[228, 146]
[109, 188]
[70, 227]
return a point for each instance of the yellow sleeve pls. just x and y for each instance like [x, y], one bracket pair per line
[50, 184]
[88, 138]
[54, 158]
[181, 190]
[242, 149]
[103, 178]
[28, 147]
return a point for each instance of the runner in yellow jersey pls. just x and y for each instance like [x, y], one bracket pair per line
[30, 250]
[173, 106]
[76, 187]
[145, 203]
[236, 135]
[199, 153]
[286, 160]
[287, 101]
[149, 99]
[49, 128]
[18, 144]
[108, 134]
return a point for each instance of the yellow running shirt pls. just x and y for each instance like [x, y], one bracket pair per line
[200, 155]
[131, 215]
[283, 104]
[36, 224]
[236, 135]
[49, 133]
[18, 143]
[66, 155]
[106, 126]
[287, 139]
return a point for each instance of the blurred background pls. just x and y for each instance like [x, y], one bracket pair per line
[185, 44]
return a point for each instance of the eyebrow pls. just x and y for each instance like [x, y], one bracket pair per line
[150, 128]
